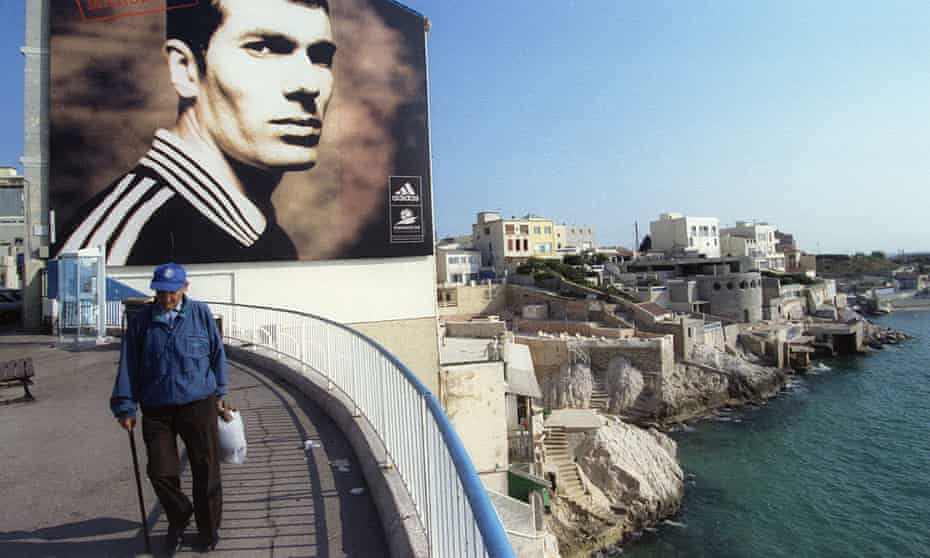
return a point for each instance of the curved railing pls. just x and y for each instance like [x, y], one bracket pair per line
[450, 499]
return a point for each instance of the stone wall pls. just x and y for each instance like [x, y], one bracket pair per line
[560, 308]
[737, 296]
[647, 355]
[548, 354]
[686, 331]
[483, 329]
[473, 301]
[587, 329]
[715, 336]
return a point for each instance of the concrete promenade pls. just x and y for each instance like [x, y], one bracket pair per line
[67, 486]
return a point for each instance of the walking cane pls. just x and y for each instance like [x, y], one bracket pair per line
[135, 464]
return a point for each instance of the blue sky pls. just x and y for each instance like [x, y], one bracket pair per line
[810, 115]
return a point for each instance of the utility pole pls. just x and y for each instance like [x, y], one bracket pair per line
[635, 237]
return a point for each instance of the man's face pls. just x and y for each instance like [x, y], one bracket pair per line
[169, 300]
[267, 83]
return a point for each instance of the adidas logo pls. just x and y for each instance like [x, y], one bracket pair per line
[406, 193]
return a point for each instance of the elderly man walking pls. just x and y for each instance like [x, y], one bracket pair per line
[172, 364]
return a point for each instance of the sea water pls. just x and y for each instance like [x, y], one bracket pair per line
[837, 466]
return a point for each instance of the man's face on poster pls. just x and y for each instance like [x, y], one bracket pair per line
[267, 82]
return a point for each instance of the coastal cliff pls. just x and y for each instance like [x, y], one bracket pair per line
[630, 471]
[707, 380]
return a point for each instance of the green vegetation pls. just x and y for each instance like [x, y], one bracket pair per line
[791, 278]
[860, 263]
[542, 269]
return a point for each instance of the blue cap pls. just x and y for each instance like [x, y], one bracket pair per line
[169, 277]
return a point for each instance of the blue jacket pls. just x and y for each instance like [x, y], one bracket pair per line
[169, 365]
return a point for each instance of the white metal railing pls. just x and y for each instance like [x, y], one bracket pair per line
[450, 499]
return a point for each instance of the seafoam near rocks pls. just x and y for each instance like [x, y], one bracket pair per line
[636, 469]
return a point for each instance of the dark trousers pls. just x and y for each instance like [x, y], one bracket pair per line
[196, 424]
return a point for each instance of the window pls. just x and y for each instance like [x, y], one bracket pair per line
[717, 286]
[487, 230]
[691, 241]
[508, 229]
[548, 230]
[714, 229]
[526, 245]
[744, 285]
[524, 229]
[12, 207]
[693, 230]
[715, 241]
[705, 230]
[510, 244]
[456, 277]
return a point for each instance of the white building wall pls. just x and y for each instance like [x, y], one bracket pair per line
[346, 291]
[674, 232]
[452, 270]
[473, 396]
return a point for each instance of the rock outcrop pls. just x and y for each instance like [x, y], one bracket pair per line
[630, 470]
[636, 469]
[569, 389]
[708, 379]
[624, 385]
[712, 378]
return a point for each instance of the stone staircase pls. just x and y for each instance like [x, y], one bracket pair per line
[570, 485]
[600, 399]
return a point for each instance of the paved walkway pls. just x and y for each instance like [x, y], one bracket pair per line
[67, 486]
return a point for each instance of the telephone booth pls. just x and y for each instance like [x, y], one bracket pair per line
[82, 294]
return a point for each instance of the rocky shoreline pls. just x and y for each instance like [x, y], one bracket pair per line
[630, 465]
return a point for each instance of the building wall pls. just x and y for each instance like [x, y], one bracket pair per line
[674, 232]
[647, 355]
[473, 398]
[484, 329]
[686, 332]
[580, 236]
[35, 155]
[466, 271]
[560, 308]
[561, 236]
[737, 296]
[548, 354]
[467, 300]
[542, 238]
[390, 300]
[587, 329]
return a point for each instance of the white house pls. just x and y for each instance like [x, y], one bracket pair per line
[756, 241]
[455, 266]
[676, 234]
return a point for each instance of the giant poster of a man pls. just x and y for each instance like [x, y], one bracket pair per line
[237, 130]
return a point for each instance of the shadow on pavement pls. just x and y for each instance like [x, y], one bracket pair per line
[22, 543]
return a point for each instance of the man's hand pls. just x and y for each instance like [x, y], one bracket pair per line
[127, 422]
[224, 411]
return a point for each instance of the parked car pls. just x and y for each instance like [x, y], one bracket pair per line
[11, 305]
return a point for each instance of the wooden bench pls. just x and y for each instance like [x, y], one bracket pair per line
[17, 371]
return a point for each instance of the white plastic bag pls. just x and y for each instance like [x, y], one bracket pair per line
[232, 439]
